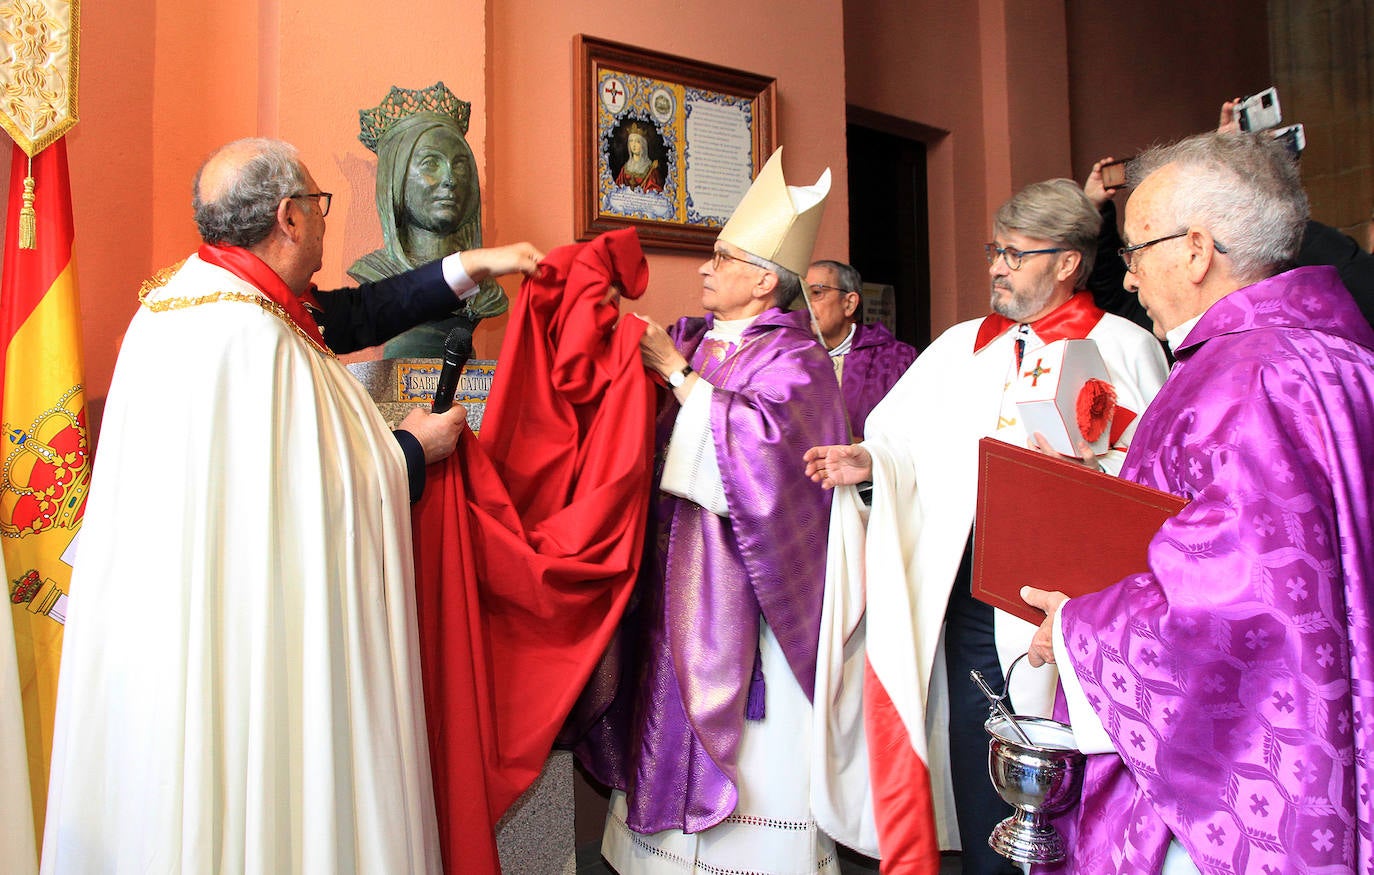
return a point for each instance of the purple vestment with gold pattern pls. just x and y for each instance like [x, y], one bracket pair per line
[689, 655]
[1235, 677]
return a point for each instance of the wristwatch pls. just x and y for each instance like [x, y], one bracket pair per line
[677, 378]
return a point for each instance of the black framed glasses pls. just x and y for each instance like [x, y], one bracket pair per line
[1127, 253]
[323, 199]
[719, 257]
[1012, 256]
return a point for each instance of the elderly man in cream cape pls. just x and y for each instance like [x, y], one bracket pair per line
[240, 686]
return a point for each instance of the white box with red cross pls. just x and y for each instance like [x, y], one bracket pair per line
[1055, 395]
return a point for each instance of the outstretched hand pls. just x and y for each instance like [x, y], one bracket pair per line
[657, 350]
[838, 465]
[497, 261]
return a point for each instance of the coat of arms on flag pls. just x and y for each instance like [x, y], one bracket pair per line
[44, 445]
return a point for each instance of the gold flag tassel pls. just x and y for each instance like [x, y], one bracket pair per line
[28, 219]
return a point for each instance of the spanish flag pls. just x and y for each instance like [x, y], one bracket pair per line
[43, 481]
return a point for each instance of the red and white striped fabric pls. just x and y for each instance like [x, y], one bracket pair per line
[871, 785]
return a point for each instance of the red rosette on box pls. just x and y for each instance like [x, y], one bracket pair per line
[1095, 406]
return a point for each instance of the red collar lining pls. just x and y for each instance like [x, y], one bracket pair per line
[1071, 320]
[254, 271]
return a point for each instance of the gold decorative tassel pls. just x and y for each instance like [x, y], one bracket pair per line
[28, 219]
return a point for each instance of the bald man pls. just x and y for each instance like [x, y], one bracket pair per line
[240, 686]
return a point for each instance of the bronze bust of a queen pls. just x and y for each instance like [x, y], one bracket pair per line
[428, 202]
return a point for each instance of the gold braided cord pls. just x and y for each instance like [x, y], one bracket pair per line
[163, 305]
[39, 70]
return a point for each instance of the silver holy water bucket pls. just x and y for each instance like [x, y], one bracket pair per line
[1036, 769]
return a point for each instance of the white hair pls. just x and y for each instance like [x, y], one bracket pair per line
[1244, 188]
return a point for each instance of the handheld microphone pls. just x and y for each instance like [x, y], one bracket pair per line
[457, 351]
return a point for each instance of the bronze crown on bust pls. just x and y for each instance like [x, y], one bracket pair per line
[400, 103]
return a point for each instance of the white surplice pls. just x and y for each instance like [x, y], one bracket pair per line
[240, 684]
[772, 829]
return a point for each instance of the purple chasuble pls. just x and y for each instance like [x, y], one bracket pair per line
[1235, 676]
[875, 362]
[671, 738]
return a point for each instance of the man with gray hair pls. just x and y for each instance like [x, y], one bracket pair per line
[920, 451]
[1227, 690]
[240, 685]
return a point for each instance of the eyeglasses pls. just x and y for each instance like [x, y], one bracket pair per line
[1013, 256]
[818, 290]
[324, 199]
[1127, 253]
[717, 257]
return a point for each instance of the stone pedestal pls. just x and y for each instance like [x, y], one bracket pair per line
[400, 385]
[536, 837]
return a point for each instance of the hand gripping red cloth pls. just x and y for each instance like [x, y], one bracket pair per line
[528, 539]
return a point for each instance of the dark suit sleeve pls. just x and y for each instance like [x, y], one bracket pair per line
[415, 462]
[373, 313]
[1109, 272]
[1322, 244]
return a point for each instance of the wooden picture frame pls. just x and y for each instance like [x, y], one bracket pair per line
[664, 144]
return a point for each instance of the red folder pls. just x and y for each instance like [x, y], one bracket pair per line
[1055, 525]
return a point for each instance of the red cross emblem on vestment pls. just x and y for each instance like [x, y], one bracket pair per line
[1037, 372]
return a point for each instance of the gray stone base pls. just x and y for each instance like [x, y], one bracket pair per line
[536, 835]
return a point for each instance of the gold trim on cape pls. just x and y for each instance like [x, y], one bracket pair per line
[162, 277]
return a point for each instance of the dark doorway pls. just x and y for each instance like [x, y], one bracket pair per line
[889, 240]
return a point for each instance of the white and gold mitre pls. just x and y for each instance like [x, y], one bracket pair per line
[778, 221]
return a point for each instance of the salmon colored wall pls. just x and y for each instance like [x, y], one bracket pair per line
[531, 111]
[111, 161]
[944, 65]
[1038, 91]
[1028, 89]
[164, 82]
[1146, 73]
